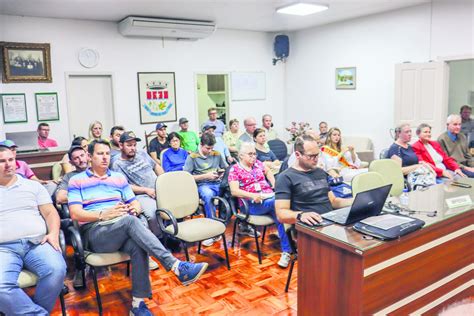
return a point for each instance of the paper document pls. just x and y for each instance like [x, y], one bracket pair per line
[386, 221]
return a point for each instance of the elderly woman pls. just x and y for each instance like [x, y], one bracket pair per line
[173, 158]
[95, 131]
[432, 153]
[402, 152]
[264, 154]
[339, 161]
[231, 137]
[247, 181]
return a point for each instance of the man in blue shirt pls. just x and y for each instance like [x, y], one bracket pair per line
[220, 127]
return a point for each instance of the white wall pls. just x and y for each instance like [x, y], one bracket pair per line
[461, 83]
[225, 51]
[373, 44]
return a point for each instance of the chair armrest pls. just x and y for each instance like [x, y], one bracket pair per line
[62, 243]
[226, 210]
[244, 210]
[290, 233]
[171, 218]
[65, 211]
[76, 241]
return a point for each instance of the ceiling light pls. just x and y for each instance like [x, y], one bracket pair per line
[302, 8]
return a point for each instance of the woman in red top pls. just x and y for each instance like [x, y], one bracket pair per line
[432, 153]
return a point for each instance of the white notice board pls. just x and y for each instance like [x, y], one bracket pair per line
[247, 86]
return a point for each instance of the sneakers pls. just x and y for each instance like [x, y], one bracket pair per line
[209, 242]
[188, 272]
[247, 230]
[141, 310]
[284, 260]
[152, 265]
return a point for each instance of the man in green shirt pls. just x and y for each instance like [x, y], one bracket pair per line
[189, 139]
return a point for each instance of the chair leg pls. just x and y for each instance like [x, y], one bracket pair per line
[292, 264]
[83, 278]
[258, 247]
[185, 246]
[263, 235]
[225, 250]
[63, 305]
[128, 269]
[96, 286]
[199, 248]
[234, 231]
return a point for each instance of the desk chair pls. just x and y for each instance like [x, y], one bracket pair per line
[391, 172]
[279, 148]
[366, 181]
[148, 138]
[177, 199]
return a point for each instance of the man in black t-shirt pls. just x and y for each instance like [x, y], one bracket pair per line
[159, 143]
[302, 191]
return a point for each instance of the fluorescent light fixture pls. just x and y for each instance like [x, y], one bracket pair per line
[302, 8]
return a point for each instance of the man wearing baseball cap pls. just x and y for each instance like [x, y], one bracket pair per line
[189, 139]
[159, 143]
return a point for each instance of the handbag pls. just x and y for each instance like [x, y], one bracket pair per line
[421, 177]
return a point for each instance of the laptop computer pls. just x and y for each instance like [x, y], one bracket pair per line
[366, 204]
[26, 141]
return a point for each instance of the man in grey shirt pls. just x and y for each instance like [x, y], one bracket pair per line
[141, 172]
[80, 160]
[29, 239]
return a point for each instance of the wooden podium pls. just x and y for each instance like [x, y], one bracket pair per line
[341, 272]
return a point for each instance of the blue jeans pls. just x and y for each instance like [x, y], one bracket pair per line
[468, 174]
[206, 192]
[47, 263]
[268, 208]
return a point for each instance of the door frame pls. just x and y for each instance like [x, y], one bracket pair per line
[70, 74]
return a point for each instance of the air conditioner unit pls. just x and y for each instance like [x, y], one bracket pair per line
[135, 26]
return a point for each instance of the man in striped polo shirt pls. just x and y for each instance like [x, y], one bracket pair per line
[103, 203]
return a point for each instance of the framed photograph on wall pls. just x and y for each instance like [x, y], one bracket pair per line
[14, 108]
[47, 108]
[26, 62]
[346, 78]
[157, 97]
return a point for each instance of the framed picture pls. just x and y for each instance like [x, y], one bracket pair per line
[157, 97]
[25, 62]
[14, 108]
[47, 108]
[346, 78]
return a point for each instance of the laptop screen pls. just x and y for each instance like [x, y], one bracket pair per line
[368, 203]
[24, 140]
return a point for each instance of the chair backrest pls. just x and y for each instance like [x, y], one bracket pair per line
[148, 138]
[366, 181]
[391, 172]
[56, 171]
[279, 148]
[383, 154]
[177, 192]
[161, 154]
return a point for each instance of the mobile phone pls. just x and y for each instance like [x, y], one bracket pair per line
[461, 185]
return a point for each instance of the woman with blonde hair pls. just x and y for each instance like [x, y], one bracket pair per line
[95, 131]
[337, 160]
[231, 137]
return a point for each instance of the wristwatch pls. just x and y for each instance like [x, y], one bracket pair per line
[298, 217]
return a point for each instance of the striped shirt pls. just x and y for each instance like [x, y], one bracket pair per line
[95, 193]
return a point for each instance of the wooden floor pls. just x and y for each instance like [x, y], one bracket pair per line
[248, 288]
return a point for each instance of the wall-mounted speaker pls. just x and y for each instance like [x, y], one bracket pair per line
[281, 47]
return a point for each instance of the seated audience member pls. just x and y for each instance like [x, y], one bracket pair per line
[159, 143]
[323, 133]
[267, 125]
[247, 181]
[66, 165]
[220, 126]
[175, 156]
[467, 124]
[432, 153]
[25, 171]
[29, 239]
[302, 191]
[95, 131]
[264, 154]
[338, 160]
[207, 168]
[250, 125]
[141, 172]
[104, 203]
[231, 138]
[43, 136]
[219, 146]
[402, 152]
[115, 133]
[454, 144]
[189, 139]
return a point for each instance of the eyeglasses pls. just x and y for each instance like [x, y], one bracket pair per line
[312, 157]
[211, 113]
[252, 154]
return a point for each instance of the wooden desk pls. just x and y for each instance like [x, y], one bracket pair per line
[340, 273]
[42, 162]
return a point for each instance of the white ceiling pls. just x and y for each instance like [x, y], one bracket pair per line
[254, 15]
